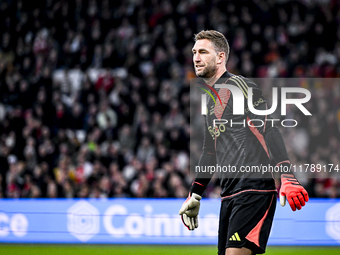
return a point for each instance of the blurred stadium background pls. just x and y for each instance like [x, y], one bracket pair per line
[94, 95]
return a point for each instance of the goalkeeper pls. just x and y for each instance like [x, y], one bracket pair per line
[248, 201]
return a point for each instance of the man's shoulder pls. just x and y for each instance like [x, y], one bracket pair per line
[241, 80]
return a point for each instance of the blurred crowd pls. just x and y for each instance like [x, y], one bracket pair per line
[94, 95]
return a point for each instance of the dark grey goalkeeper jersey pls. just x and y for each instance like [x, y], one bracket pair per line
[239, 143]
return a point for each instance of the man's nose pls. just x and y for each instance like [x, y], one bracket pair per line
[197, 58]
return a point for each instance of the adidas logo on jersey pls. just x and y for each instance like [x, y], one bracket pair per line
[235, 237]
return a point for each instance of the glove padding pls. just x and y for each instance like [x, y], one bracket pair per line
[189, 211]
[291, 189]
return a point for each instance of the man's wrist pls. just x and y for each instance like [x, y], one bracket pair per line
[197, 188]
[285, 168]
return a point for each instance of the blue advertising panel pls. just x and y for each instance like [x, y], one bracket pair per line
[152, 221]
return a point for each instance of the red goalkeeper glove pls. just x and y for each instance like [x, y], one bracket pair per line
[292, 190]
[189, 211]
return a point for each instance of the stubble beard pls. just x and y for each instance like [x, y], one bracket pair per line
[207, 72]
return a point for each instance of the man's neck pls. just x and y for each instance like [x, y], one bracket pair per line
[211, 81]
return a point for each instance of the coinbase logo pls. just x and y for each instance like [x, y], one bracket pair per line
[83, 221]
[17, 225]
[333, 222]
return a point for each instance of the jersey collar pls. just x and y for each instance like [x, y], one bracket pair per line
[225, 76]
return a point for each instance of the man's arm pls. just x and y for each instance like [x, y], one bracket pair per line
[190, 207]
[291, 189]
[208, 158]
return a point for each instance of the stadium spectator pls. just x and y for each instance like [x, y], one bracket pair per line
[100, 81]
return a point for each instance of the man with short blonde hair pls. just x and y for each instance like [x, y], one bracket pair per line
[248, 202]
[217, 39]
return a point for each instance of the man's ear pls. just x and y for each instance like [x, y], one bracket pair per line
[221, 57]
